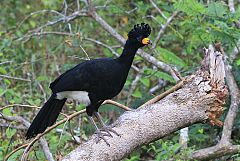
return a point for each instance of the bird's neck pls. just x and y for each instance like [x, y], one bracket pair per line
[127, 56]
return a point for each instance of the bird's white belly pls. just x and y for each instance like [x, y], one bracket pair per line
[80, 96]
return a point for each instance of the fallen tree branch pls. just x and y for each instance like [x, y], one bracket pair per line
[196, 101]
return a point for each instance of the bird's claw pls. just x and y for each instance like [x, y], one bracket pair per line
[108, 129]
[105, 131]
[101, 135]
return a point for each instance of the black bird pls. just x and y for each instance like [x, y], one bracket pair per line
[91, 82]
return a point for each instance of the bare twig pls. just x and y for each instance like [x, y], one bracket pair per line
[65, 7]
[84, 52]
[39, 12]
[42, 90]
[46, 150]
[50, 23]
[6, 62]
[78, 5]
[70, 133]
[15, 78]
[117, 104]
[7, 125]
[28, 36]
[102, 44]
[164, 94]
[163, 28]
[14, 151]
[231, 6]
[19, 105]
[161, 84]
[158, 9]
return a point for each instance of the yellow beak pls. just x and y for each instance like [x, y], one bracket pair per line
[146, 41]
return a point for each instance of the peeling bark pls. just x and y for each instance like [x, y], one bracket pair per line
[201, 98]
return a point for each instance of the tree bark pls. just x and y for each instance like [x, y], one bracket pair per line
[201, 98]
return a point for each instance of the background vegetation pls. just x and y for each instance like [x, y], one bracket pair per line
[34, 61]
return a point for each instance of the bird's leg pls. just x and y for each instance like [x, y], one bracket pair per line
[104, 126]
[100, 135]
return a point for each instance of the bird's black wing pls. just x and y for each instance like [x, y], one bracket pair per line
[87, 76]
[74, 79]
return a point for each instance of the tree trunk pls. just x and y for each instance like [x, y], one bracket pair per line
[200, 99]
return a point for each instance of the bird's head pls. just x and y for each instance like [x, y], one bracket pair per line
[139, 35]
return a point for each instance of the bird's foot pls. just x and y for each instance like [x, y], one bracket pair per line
[108, 129]
[101, 135]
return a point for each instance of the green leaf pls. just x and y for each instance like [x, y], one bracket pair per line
[80, 107]
[107, 52]
[32, 23]
[137, 93]
[164, 76]
[10, 132]
[145, 81]
[2, 91]
[216, 9]
[128, 82]
[3, 70]
[7, 111]
[42, 78]
[169, 57]
[200, 131]
[190, 7]
[238, 62]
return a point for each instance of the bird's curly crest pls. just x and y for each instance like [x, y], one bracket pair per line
[142, 30]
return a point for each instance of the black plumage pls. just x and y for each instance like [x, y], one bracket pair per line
[100, 79]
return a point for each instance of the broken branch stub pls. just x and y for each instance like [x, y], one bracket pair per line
[212, 70]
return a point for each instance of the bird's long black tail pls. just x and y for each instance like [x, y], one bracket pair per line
[47, 116]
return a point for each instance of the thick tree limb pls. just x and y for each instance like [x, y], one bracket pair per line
[195, 102]
[215, 152]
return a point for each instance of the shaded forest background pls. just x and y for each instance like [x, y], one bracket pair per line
[39, 40]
